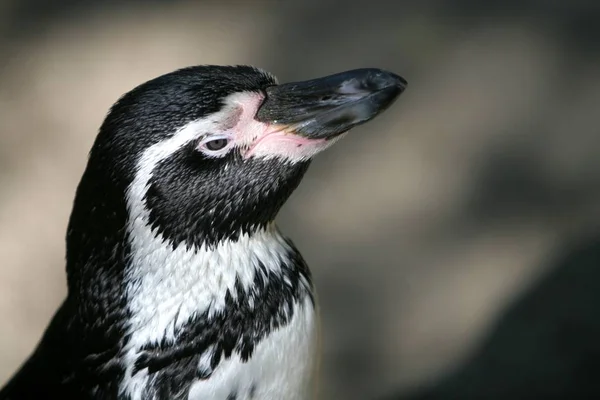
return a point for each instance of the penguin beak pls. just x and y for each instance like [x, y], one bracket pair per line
[326, 107]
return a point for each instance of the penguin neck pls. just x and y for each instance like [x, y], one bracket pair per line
[167, 287]
[118, 265]
[122, 270]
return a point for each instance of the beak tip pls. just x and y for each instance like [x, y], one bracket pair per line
[385, 79]
[400, 81]
[386, 86]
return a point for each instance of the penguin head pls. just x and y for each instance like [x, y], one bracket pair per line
[207, 153]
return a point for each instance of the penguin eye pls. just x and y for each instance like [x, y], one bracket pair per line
[215, 146]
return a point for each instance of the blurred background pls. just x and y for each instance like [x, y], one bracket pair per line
[454, 240]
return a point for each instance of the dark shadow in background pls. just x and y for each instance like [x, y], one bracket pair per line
[545, 346]
[548, 343]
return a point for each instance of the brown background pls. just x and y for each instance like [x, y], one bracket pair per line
[422, 228]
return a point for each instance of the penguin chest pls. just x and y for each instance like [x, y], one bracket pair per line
[281, 367]
[232, 322]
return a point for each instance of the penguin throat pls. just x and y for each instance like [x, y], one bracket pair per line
[167, 286]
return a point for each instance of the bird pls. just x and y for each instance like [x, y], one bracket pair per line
[180, 283]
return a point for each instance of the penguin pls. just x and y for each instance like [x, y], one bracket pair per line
[180, 284]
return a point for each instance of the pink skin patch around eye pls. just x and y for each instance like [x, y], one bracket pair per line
[284, 144]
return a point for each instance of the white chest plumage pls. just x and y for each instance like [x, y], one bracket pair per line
[163, 298]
